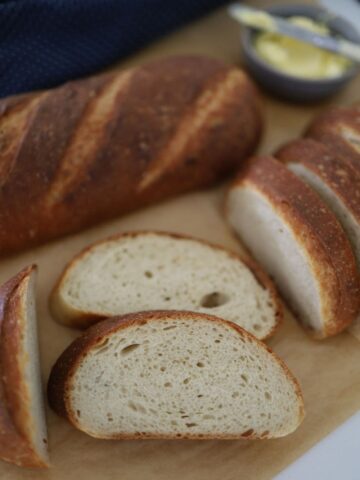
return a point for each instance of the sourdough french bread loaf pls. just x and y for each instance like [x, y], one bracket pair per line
[97, 148]
[149, 270]
[23, 437]
[299, 241]
[168, 374]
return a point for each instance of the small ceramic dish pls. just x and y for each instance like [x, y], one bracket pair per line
[291, 87]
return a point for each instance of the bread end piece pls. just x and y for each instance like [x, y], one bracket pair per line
[23, 437]
[339, 129]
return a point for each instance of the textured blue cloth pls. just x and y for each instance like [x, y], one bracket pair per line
[46, 42]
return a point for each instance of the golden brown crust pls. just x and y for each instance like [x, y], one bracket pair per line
[318, 230]
[178, 124]
[82, 320]
[59, 384]
[333, 127]
[15, 443]
[340, 176]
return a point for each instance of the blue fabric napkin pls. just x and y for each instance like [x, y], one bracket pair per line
[46, 42]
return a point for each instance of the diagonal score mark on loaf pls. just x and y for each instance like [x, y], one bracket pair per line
[350, 136]
[209, 102]
[81, 154]
[13, 132]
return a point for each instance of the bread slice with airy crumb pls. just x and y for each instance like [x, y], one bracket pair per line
[339, 129]
[299, 241]
[170, 374]
[23, 436]
[152, 270]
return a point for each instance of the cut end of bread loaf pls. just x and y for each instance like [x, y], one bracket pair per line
[339, 129]
[152, 270]
[294, 236]
[174, 375]
[336, 182]
[23, 435]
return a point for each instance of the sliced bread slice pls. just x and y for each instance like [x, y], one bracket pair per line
[294, 235]
[169, 374]
[151, 270]
[23, 436]
[339, 129]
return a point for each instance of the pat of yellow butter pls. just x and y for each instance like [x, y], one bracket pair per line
[257, 19]
[297, 58]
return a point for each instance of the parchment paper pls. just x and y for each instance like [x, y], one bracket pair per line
[329, 371]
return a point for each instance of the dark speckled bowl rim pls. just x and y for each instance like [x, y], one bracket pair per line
[311, 11]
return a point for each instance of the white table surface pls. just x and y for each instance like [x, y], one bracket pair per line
[336, 457]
